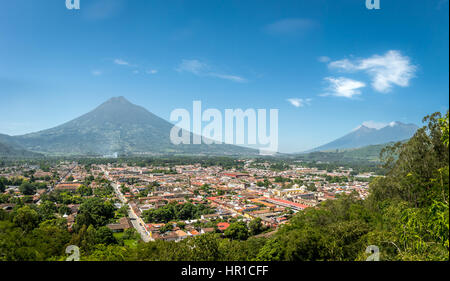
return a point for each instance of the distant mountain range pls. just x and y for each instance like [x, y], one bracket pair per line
[365, 136]
[117, 127]
[364, 154]
[8, 148]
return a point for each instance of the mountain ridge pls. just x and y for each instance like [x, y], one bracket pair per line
[117, 126]
[9, 149]
[365, 136]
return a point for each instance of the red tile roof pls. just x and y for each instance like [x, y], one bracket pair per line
[302, 206]
[222, 226]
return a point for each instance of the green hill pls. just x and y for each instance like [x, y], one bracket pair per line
[10, 150]
[369, 153]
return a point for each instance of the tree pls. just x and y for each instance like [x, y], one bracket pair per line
[104, 235]
[123, 211]
[237, 231]
[84, 190]
[271, 251]
[256, 226]
[311, 187]
[412, 166]
[89, 238]
[174, 211]
[2, 186]
[204, 248]
[412, 200]
[50, 240]
[26, 218]
[26, 188]
[109, 253]
[95, 212]
[167, 227]
[444, 124]
[64, 210]
[130, 233]
[181, 224]
[124, 189]
[47, 210]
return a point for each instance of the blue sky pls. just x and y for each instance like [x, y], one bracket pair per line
[328, 66]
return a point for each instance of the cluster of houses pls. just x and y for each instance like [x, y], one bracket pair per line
[249, 193]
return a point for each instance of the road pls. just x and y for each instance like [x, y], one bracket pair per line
[62, 178]
[137, 222]
[51, 188]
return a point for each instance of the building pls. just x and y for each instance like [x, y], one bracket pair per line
[289, 191]
[222, 226]
[68, 186]
[180, 235]
[287, 204]
[124, 224]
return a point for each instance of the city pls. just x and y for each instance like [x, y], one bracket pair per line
[254, 192]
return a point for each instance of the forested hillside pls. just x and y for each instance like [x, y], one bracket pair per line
[365, 154]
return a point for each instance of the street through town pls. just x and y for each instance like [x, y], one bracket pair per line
[137, 222]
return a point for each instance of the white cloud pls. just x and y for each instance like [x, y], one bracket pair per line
[136, 69]
[297, 102]
[344, 64]
[393, 123]
[392, 68]
[290, 26]
[375, 125]
[202, 69]
[386, 71]
[121, 62]
[343, 87]
[152, 71]
[192, 66]
[96, 72]
[229, 77]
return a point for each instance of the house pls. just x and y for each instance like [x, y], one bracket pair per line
[210, 217]
[235, 175]
[73, 208]
[124, 224]
[222, 226]
[225, 215]
[181, 235]
[146, 207]
[169, 236]
[207, 230]
[68, 186]
[7, 207]
[70, 221]
[193, 232]
[281, 219]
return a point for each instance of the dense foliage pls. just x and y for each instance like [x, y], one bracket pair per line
[174, 212]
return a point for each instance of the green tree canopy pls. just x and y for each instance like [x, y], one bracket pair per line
[26, 218]
[96, 212]
[237, 231]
